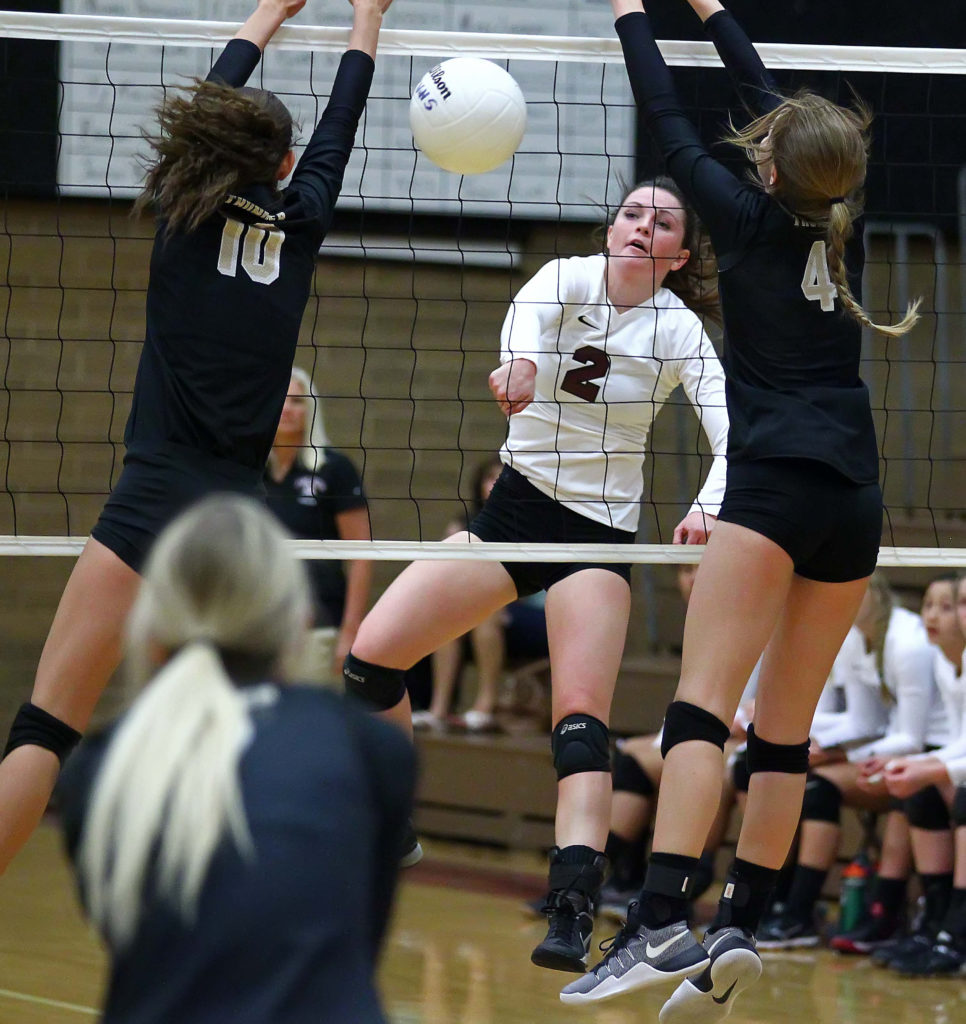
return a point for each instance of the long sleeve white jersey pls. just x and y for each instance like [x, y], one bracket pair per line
[952, 685]
[601, 378]
[866, 713]
[915, 715]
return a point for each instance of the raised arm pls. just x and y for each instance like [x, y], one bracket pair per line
[723, 203]
[243, 52]
[267, 19]
[366, 22]
[705, 8]
[320, 170]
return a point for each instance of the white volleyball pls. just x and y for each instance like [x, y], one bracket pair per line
[467, 115]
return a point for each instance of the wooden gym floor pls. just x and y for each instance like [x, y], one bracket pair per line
[458, 954]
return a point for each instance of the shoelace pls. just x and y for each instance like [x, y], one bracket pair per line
[613, 945]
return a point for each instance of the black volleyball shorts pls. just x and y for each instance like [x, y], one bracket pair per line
[153, 489]
[830, 526]
[517, 512]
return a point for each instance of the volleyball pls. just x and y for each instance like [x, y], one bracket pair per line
[467, 115]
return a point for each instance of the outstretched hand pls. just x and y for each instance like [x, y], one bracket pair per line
[289, 7]
[379, 5]
[267, 19]
[514, 384]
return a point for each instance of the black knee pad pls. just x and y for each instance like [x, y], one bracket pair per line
[38, 728]
[377, 687]
[629, 776]
[684, 722]
[823, 800]
[763, 756]
[580, 743]
[927, 810]
[959, 807]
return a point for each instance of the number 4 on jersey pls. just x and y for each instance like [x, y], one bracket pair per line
[260, 252]
[816, 283]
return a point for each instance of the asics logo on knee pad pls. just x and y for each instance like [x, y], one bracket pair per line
[580, 743]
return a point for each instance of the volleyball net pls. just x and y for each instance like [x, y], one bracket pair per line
[416, 276]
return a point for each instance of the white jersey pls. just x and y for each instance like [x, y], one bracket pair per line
[952, 685]
[907, 662]
[866, 713]
[602, 376]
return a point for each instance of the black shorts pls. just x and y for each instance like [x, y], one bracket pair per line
[153, 489]
[830, 526]
[516, 512]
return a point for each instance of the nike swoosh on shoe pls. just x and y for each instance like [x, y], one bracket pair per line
[721, 1000]
[653, 951]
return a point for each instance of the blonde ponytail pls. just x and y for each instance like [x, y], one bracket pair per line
[819, 151]
[169, 782]
[225, 602]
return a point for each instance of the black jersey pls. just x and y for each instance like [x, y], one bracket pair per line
[225, 301]
[791, 353]
[291, 936]
[307, 502]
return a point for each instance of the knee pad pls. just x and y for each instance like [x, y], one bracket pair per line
[823, 800]
[959, 807]
[38, 728]
[377, 687]
[629, 776]
[684, 722]
[927, 810]
[762, 756]
[580, 743]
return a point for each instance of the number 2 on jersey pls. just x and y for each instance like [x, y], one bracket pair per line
[580, 381]
[261, 251]
[816, 283]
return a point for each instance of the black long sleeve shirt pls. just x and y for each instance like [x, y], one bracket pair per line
[225, 301]
[791, 359]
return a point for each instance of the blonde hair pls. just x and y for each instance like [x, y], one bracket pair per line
[883, 601]
[311, 453]
[820, 150]
[228, 604]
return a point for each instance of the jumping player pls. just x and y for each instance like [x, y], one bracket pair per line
[802, 504]
[591, 348]
[230, 276]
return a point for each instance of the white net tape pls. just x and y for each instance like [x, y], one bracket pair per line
[95, 28]
[438, 551]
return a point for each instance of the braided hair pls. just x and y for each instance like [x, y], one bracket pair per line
[819, 150]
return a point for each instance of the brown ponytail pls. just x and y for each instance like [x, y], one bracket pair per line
[212, 141]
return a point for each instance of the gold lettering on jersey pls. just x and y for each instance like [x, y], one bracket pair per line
[247, 206]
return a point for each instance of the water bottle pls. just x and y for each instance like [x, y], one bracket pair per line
[853, 892]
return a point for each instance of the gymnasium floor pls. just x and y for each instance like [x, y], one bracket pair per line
[458, 954]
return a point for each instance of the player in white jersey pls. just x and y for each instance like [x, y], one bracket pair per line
[932, 784]
[591, 348]
[885, 672]
[600, 375]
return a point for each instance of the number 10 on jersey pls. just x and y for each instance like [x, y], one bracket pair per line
[261, 251]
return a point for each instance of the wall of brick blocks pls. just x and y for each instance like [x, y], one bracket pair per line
[400, 352]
